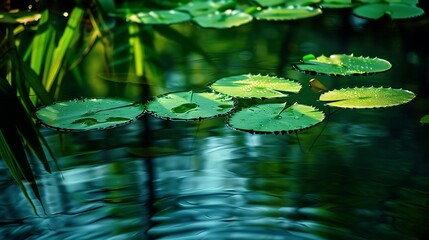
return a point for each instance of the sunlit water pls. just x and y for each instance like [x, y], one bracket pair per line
[365, 177]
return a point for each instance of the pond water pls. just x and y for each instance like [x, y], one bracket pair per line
[365, 177]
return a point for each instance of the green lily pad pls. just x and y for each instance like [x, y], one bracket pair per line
[424, 119]
[196, 8]
[275, 118]
[394, 10]
[227, 19]
[335, 4]
[255, 86]
[341, 65]
[366, 97]
[159, 17]
[189, 105]
[287, 13]
[89, 114]
[269, 3]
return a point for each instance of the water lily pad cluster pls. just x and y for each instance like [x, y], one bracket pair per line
[271, 114]
[228, 13]
[357, 97]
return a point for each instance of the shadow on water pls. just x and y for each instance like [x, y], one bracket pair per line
[366, 177]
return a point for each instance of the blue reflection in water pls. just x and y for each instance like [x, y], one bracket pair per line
[216, 183]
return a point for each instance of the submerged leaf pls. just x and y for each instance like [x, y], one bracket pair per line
[288, 13]
[275, 118]
[89, 114]
[189, 105]
[394, 10]
[366, 97]
[342, 65]
[255, 86]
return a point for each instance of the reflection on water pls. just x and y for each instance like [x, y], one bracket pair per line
[356, 183]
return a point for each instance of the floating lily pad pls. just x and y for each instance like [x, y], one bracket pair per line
[287, 13]
[255, 86]
[335, 4]
[189, 105]
[227, 19]
[394, 10]
[89, 114]
[159, 17]
[268, 3]
[196, 8]
[275, 118]
[341, 65]
[366, 97]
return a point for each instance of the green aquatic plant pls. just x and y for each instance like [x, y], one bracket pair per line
[159, 17]
[255, 86]
[395, 9]
[189, 105]
[287, 13]
[89, 114]
[275, 118]
[341, 65]
[366, 97]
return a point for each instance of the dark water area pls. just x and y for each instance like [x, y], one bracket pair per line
[365, 177]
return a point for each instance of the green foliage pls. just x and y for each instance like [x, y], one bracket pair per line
[189, 105]
[275, 118]
[394, 10]
[366, 97]
[159, 17]
[89, 114]
[227, 19]
[287, 13]
[255, 86]
[19, 135]
[341, 65]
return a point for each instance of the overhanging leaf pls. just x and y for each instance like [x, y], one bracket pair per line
[189, 105]
[342, 65]
[227, 19]
[287, 13]
[159, 17]
[394, 10]
[255, 86]
[366, 97]
[89, 114]
[275, 118]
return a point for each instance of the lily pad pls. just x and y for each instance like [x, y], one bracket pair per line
[287, 13]
[196, 8]
[89, 114]
[255, 86]
[394, 10]
[336, 4]
[227, 19]
[268, 3]
[159, 17]
[275, 118]
[366, 97]
[189, 105]
[341, 65]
